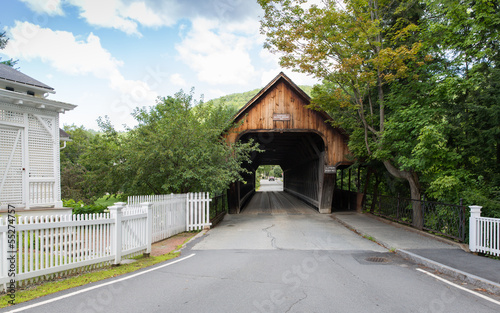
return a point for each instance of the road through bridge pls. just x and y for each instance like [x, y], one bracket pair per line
[271, 199]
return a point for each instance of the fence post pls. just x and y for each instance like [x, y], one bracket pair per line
[116, 214]
[188, 199]
[475, 212]
[397, 208]
[207, 211]
[422, 209]
[462, 220]
[148, 207]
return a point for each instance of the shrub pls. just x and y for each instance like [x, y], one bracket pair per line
[81, 208]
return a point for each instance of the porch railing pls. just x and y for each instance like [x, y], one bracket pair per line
[42, 192]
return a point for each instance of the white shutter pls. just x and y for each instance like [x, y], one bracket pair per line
[11, 165]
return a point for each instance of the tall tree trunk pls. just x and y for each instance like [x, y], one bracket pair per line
[375, 193]
[365, 187]
[412, 179]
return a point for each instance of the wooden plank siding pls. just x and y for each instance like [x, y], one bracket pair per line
[283, 96]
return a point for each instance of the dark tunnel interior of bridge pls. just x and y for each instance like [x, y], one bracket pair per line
[300, 155]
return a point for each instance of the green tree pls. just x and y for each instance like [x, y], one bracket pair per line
[3, 44]
[102, 161]
[277, 171]
[359, 49]
[80, 141]
[73, 180]
[177, 147]
[415, 84]
[465, 37]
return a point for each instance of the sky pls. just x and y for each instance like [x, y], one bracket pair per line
[110, 56]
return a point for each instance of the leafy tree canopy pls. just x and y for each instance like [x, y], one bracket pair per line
[414, 83]
[176, 148]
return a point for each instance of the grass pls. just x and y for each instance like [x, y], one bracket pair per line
[50, 287]
[369, 238]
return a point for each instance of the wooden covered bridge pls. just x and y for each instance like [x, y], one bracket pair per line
[299, 139]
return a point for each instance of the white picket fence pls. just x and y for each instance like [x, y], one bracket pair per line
[42, 246]
[175, 213]
[484, 233]
[198, 214]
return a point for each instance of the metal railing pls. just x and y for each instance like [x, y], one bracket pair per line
[448, 220]
[218, 208]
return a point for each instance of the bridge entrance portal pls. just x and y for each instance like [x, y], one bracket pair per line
[299, 139]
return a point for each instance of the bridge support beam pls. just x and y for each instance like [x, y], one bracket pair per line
[233, 198]
[326, 196]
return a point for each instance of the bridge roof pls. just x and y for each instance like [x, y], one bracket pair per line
[281, 111]
[280, 77]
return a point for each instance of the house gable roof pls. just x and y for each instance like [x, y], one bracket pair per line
[63, 136]
[10, 74]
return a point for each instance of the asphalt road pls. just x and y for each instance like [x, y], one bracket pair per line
[272, 262]
[270, 199]
[266, 185]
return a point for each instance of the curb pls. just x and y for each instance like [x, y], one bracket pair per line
[453, 272]
[362, 233]
[477, 281]
[198, 235]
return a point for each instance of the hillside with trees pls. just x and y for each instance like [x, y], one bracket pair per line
[237, 100]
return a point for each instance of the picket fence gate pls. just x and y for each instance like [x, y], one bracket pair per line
[45, 246]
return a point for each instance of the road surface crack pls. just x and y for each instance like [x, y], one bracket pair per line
[299, 300]
[273, 239]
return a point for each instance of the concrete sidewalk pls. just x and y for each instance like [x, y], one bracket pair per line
[431, 251]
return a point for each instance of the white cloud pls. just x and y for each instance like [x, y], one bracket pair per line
[301, 78]
[215, 93]
[269, 57]
[107, 13]
[128, 15]
[218, 56]
[146, 16]
[177, 80]
[50, 7]
[69, 55]
[297, 78]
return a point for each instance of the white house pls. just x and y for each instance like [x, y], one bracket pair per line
[29, 143]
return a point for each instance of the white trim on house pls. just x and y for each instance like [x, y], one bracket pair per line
[14, 98]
